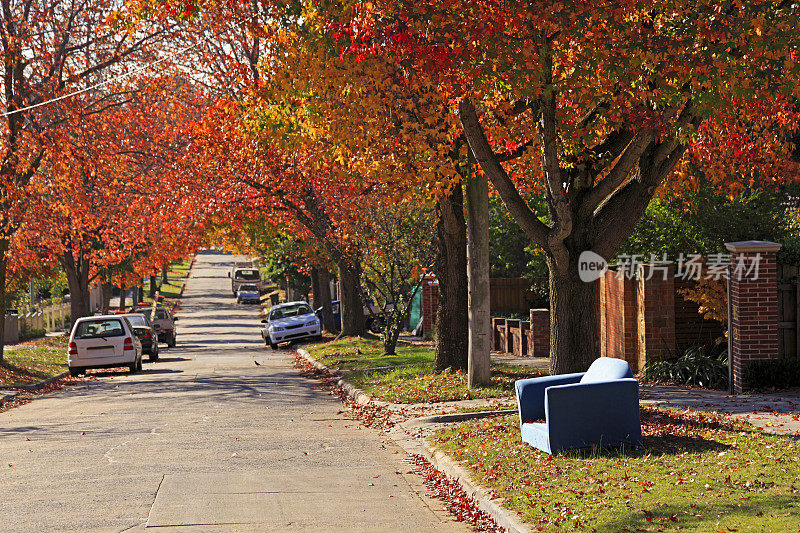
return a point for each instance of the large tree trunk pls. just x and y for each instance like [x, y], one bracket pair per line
[351, 307]
[4, 244]
[574, 324]
[164, 278]
[480, 319]
[325, 299]
[153, 287]
[122, 296]
[314, 274]
[452, 321]
[78, 281]
[105, 288]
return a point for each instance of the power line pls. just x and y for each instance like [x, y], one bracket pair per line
[115, 79]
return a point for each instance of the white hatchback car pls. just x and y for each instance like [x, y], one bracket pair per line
[290, 321]
[103, 342]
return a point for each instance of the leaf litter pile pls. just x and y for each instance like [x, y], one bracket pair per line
[25, 396]
[457, 502]
[695, 471]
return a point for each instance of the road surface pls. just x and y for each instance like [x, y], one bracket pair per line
[205, 440]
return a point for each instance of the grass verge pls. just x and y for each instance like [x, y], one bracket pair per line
[176, 277]
[407, 376]
[30, 362]
[695, 471]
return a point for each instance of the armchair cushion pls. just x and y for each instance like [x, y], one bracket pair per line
[607, 368]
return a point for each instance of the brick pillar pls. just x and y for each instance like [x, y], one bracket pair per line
[655, 298]
[753, 306]
[430, 302]
[539, 345]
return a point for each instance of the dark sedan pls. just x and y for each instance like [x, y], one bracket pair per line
[146, 333]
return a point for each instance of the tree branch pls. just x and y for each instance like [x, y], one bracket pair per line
[487, 159]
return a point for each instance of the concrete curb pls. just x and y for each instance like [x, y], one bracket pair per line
[417, 445]
[486, 503]
[36, 386]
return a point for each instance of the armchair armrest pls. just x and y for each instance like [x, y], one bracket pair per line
[530, 394]
[604, 412]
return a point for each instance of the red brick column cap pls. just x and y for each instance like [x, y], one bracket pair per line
[752, 246]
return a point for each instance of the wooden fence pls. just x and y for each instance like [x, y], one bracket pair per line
[510, 295]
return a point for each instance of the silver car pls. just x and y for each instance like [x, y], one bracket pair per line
[288, 322]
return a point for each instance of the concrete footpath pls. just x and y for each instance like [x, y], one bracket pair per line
[206, 440]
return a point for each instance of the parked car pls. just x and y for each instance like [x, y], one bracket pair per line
[288, 322]
[103, 342]
[245, 275]
[374, 317]
[248, 294]
[163, 322]
[147, 334]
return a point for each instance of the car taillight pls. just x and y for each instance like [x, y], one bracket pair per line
[147, 334]
[73, 349]
[127, 344]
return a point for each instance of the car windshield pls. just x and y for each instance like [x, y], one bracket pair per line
[290, 310]
[248, 288]
[109, 327]
[249, 275]
[137, 320]
[161, 314]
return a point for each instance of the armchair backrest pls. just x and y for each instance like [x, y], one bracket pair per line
[607, 369]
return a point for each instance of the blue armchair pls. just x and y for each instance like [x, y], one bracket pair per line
[596, 407]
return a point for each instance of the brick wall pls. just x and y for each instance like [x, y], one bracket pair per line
[753, 292]
[618, 327]
[430, 302]
[539, 334]
[655, 312]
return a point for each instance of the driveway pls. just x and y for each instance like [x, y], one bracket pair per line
[205, 440]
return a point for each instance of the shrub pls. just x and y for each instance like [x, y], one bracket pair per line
[28, 334]
[695, 367]
[772, 374]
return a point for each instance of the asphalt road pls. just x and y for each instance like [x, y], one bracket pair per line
[205, 440]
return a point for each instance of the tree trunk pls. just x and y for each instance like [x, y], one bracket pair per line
[78, 281]
[122, 296]
[452, 321]
[351, 307]
[153, 287]
[574, 325]
[480, 320]
[391, 333]
[3, 295]
[164, 278]
[314, 274]
[325, 300]
[106, 297]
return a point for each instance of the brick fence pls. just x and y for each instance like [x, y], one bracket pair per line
[753, 306]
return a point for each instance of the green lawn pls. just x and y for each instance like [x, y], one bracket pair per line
[176, 276]
[29, 362]
[695, 472]
[408, 376]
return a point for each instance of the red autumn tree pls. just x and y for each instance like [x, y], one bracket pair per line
[593, 107]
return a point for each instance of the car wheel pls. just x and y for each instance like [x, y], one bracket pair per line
[75, 372]
[153, 355]
[133, 367]
[139, 366]
[273, 345]
[171, 342]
